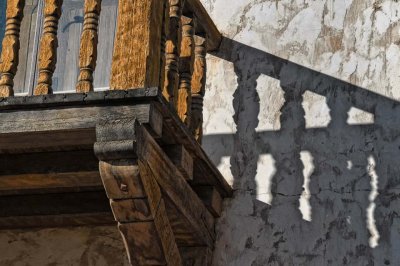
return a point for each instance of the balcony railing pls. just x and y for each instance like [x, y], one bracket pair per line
[66, 158]
[158, 44]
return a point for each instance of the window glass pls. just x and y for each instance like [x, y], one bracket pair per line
[30, 27]
[69, 33]
[2, 20]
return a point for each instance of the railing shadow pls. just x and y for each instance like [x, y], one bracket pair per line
[345, 159]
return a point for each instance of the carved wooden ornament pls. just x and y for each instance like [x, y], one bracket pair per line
[186, 61]
[172, 50]
[198, 86]
[48, 46]
[88, 48]
[11, 45]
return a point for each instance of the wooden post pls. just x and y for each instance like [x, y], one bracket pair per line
[11, 45]
[185, 70]
[172, 50]
[88, 49]
[48, 46]
[198, 86]
[137, 49]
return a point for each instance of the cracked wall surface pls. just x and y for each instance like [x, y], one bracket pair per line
[302, 117]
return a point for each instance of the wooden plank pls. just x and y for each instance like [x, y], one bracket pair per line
[175, 187]
[196, 256]
[54, 204]
[51, 221]
[181, 158]
[205, 172]
[137, 47]
[48, 162]
[49, 183]
[205, 24]
[211, 198]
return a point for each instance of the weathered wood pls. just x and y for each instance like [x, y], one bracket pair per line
[135, 196]
[54, 204]
[59, 220]
[49, 183]
[137, 47]
[172, 51]
[198, 86]
[175, 187]
[181, 158]
[10, 47]
[121, 179]
[186, 61]
[48, 46]
[211, 198]
[88, 48]
[60, 119]
[205, 24]
[205, 173]
[196, 256]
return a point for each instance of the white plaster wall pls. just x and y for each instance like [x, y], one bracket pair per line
[302, 117]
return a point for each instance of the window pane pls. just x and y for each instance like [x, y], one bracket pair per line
[29, 35]
[69, 33]
[2, 20]
[107, 26]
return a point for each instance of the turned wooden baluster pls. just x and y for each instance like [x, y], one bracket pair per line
[11, 45]
[172, 49]
[198, 85]
[48, 46]
[186, 61]
[88, 49]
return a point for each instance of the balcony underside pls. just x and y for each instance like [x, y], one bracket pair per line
[49, 174]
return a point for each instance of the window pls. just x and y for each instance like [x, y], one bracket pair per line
[69, 33]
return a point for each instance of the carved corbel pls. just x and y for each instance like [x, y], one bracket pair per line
[135, 196]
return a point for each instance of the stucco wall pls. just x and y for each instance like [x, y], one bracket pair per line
[304, 93]
[83, 246]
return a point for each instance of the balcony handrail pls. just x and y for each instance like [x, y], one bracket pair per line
[159, 43]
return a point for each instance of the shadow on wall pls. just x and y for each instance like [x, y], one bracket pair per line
[347, 175]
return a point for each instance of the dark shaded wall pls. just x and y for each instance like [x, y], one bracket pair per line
[302, 118]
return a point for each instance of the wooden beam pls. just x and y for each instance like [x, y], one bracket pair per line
[175, 187]
[211, 198]
[196, 256]
[137, 47]
[181, 158]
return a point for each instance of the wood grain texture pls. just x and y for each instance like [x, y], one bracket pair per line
[175, 187]
[10, 47]
[137, 48]
[181, 158]
[172, 51]
[135, 196]
[206, 24]
[186, 62]
[196, 256]
[198, 86]
[48, 46]
[88, 48]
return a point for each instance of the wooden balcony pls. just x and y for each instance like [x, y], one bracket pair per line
[66, 158]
